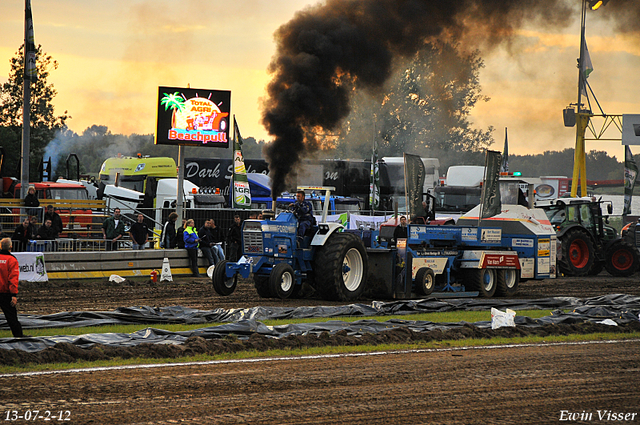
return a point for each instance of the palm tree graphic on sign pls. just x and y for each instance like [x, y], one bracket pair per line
[174, 101]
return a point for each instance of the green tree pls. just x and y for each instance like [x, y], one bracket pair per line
[44, 122]
[424, 107]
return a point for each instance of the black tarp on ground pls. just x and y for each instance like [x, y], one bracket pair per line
[619, 308]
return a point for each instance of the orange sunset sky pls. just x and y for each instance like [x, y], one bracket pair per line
[114, 54]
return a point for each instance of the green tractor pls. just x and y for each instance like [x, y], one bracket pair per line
[587, 243]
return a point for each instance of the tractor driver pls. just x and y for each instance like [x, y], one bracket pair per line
[303, 211]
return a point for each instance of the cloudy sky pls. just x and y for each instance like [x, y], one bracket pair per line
[114, 54]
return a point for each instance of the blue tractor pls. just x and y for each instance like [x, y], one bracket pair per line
[332, 261]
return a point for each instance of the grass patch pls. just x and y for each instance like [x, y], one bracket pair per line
[453, 317]
[326, 350]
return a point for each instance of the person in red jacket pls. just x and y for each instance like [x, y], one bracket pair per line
[9, 275]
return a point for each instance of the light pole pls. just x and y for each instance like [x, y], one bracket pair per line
[583, 115]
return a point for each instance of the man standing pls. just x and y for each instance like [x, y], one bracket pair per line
[113, 230]
[56, 221]
[191, 240]
[235, 239]
[206, 242]
[168, 237]
[9, 276]
[303, 210]
[216, 238]
[139, 233]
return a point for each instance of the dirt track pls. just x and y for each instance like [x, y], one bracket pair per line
[53, 297]
[497, 386]
[510, 385]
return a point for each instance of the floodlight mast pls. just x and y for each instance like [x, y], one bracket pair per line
[583, 115]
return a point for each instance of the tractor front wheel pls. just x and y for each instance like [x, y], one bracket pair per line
[222, 284]
[622, 259]
[282, 281]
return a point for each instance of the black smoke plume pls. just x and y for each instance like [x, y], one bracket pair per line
[357, 40]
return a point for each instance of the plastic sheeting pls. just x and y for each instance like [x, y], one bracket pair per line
[619, 308]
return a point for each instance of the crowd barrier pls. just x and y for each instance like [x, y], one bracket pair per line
[103, 264]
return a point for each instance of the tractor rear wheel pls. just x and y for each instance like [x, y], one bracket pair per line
[222, 284]
[483, 281]
[577, 253]
[508, 280]
[622, 259]
[425, 281]
[282, 280]
[341, 267]
[261, 284]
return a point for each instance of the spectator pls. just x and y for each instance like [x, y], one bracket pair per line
[31, 201]
[180, 235]
[47, 232]
[23, 234]
[113, 230]
[9, 276]
[33, 222]
[206, 242]
[56, 221]
[234, 238]
[191, 240]
[168, 237]
[139, 233]
[217, 239]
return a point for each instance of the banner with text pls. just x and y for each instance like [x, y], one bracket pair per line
[32, 267]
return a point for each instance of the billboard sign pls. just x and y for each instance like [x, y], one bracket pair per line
[193, 117]
[631, 129]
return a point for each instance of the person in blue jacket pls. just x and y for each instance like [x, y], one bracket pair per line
[303, 210]
[191, 240]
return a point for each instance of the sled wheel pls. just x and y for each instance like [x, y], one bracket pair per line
[484, 281]
[222, 284]
[425, 281]
[508, 280]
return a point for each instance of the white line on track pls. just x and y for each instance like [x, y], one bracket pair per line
[312, 357]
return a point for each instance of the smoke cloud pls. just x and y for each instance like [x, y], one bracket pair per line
[358, 41]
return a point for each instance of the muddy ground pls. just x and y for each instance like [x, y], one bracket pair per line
[532, 385]
[536, 384]
[102, 295]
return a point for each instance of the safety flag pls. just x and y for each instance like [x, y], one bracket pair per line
[586, 68]
[414, 174]
[490, 200]
[630, 176]
[504, 166]
[374, 181]
[30, 70]
[241, 193]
